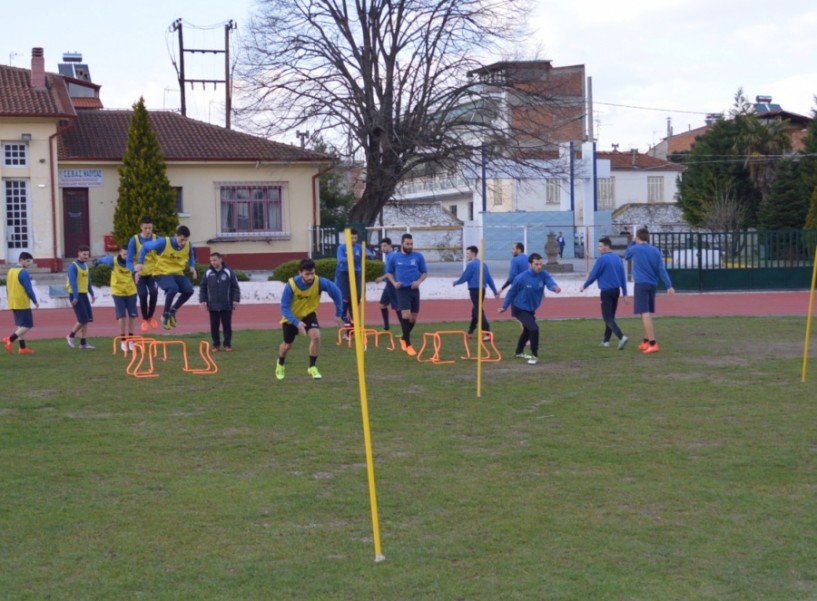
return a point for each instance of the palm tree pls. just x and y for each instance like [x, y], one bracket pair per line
[762, 143]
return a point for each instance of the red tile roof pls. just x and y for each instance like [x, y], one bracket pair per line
[102, 135]
[19, 99]
[628, 161]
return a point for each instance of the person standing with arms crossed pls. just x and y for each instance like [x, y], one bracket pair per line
[471, 277]
[146, 286]
[174, 253]
[612, 282]
[524, 297]
[219, 294]
[648, 267]
[80, 291]
[299, 307]
[406, 270]
[20, 296]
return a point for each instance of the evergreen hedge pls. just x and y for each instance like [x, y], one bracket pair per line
[325, 268]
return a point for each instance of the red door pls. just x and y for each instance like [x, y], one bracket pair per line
[75, 220]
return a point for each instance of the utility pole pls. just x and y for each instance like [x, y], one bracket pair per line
[227, 81]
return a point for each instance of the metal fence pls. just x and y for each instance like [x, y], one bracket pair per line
[742, 260]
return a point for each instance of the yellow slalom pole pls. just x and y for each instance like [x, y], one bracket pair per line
[480, 297]
[364, 402]
[808, 318]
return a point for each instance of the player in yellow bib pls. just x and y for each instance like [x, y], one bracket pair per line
[81, 295]
[146, 287]
[299, 306]
[123, 292]
[20, 296]
[175, 253]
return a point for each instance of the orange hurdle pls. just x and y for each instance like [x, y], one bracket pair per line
[435, 338]
[149, 348]
[350, 330]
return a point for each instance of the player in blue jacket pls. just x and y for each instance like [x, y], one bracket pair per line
[471, 277]
[612, 282]
[524, 297]
[519, 263]
[342, 274]
[648, 266]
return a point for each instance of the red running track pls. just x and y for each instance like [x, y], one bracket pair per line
[56, 323]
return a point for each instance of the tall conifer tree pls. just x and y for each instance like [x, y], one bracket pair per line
[144, 188]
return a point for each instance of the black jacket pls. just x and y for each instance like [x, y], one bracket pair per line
[219, 289]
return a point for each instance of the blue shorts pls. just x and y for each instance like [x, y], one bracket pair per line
[644, 298]
[23, 318]
[389, 296]
[125, 305]
[408, 299]
[83, 309]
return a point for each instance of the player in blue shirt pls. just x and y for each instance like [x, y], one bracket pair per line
[612, 282]
[524, 297]
[342, 274]
[406, 270]
[471, 277]
[389, 297]
[519, 263]
[648, 266]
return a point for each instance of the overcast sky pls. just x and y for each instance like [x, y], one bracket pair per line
[649, 60]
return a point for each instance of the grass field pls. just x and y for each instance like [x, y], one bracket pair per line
[597, 474]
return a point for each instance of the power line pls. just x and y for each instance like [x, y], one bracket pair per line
[652, 108]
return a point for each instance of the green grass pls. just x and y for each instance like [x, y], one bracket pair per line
[596, 474]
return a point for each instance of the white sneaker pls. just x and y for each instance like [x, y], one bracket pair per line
[605, 344]
[533, 361]
[622, 343]
[124, 346]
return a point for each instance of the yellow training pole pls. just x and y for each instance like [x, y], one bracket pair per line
[363, 284]
[364, 403]
[480, 296]
[808, 318]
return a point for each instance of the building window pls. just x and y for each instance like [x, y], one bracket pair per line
[177, 190]
[254, 209]
[655, 189]
[17, 218]
[15, 155]
[606, 193]
[452, 209]
[471, 210]
[553, 192]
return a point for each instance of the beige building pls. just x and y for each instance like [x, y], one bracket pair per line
[247, 197]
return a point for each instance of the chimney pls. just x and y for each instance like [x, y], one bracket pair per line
[634, 152]
[37, 68]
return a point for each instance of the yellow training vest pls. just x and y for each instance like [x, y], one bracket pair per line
[172, 261]
[82, 279]
[122, 283]
[306, 301]
[17, 295]
[149, 266]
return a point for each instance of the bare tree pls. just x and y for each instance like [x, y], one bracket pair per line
[401, 78]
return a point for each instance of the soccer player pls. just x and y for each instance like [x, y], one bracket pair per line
[123, 292]
[389, 297]
[299, 305]
[612, 282]
[20, 296]
[174, 253]
[471, 276]
[146, 285]
[648, 266]
[342, 274]
[406, 270]
[519, 263]
[81, 295]
[524, 297]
